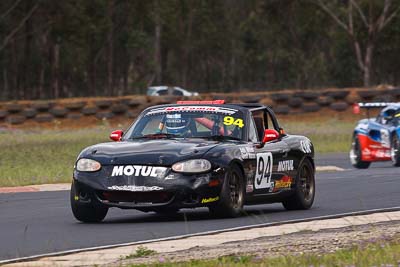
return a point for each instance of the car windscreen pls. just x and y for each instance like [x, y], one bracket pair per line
[189, 122]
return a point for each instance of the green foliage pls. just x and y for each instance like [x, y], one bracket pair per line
[107, 47]
[141, 251]
[43, 157]
[381, 254]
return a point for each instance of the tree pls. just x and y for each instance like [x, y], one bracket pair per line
[363, 45]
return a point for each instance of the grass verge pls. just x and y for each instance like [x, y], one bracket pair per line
[48, 156]
[43, 157]
[382, 254]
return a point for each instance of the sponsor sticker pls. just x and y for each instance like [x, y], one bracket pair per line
[244, 153]
[284, 183]
[138, 170]
[247, 152]
[210, 199]
[305, 146]
[209, 109]
[286, 165]
[385, 138]
[272, 187]
[174, 116]
[249, 188]
[134, 188]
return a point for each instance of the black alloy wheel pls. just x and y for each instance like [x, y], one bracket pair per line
[304, 194]
[230, 203]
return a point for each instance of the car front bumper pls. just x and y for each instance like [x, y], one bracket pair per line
[147, 194]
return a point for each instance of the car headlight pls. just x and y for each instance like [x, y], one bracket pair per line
[88, 165]
[192, 166]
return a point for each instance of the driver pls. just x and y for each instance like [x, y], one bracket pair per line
[177, 124]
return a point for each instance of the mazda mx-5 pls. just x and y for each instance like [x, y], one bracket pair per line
[195, 154]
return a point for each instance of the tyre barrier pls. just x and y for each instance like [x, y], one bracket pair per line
[74, 116]
[308, 96]
[325, 101]
[129, 107]
[282, 109]
[75, 106]
[42, 106]
[44, 118]
[368, 95]
[3, 114]
[29, 113]
[339, 106]
[280, 98]
[13, 108]
[15, 119]
[250, 98]
[104, 115]
[131, 114]
[337, 95]
[119, 108]
[295, 102]
[103, 104]
[58, 112]
[89, 111]
[384, 98]
[310, 107]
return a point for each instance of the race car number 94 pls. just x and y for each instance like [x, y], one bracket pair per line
[228, 120]
[264, 170]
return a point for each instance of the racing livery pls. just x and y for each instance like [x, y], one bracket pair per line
[376, 139]
[195, 154]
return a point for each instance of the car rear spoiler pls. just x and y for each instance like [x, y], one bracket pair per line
[368, 106]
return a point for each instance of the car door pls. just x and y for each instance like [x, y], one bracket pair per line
[379, 131]
[268, 155]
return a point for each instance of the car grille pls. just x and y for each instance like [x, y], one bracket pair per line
[135, 197]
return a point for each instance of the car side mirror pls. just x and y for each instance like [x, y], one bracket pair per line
[270, 135]
[116, 135]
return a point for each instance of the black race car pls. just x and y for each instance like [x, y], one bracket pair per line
[193, 154]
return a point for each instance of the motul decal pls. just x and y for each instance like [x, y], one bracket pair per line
[138, 170]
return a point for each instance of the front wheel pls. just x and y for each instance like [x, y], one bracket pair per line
[304, 194]
[355, 155]
[395, 151]
[87, 213]
[231, 199]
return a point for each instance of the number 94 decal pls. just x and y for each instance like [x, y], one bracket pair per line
[228, 120]
[263, 170]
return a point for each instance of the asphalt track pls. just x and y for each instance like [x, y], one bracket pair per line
[41, 222]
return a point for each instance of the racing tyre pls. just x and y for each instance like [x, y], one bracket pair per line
[395, 151]
[355, 155]
[87, 213]
[231, 199]
[304, 194]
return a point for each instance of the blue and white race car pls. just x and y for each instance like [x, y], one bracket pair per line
[376, 139]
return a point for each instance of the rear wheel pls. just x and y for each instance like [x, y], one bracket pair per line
[303, 198]
[88, 213]
[231, 199]
[395, 151]
[355, 155]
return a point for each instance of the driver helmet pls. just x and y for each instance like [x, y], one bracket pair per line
[177, 124]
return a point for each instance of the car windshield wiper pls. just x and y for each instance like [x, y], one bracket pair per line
[219, 137]
[156, 136]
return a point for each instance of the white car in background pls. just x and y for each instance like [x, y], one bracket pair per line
[169, 90]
